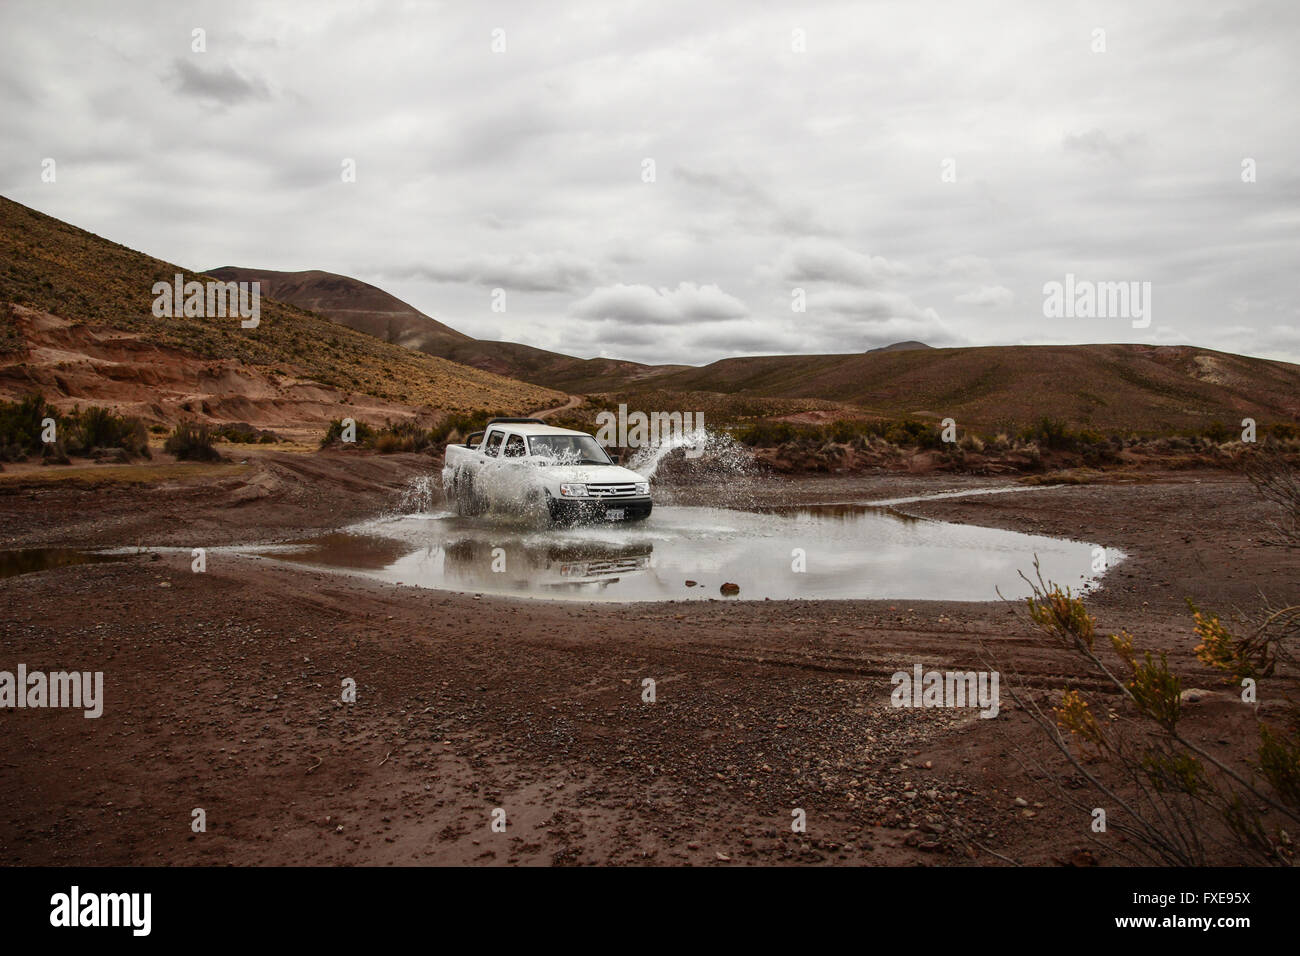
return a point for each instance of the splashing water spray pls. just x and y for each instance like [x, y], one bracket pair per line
[704, 455]
[420, 496]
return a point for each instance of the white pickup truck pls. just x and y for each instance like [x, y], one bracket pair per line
[525, 465]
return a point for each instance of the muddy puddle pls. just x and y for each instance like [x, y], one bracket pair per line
[32, 560]
[684, 553]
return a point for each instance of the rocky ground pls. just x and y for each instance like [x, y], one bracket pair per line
[223, 688]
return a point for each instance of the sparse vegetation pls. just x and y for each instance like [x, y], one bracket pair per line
[20, 427]
[387, 439]
[1175, 799]
[11, 340]
[456, 426]
[1277, 482]
[242, 433]
[409, 435]
[87, 432]
[1172, 799]
[1078, 454]
[191, 441]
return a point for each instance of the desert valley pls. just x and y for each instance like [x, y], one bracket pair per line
[223, 681]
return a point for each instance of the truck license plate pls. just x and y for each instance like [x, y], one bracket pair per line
[614, 514]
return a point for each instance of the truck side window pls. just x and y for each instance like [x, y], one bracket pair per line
[493, 443]
[515, 447]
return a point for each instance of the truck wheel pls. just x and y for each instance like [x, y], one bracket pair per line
[535, 507]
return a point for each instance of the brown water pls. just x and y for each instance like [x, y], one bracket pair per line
[31, 560]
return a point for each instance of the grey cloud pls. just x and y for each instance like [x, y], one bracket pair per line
[223, 84]
[821, 260]
[755, 206]
[733, 183]
[750, 340]
[640, 303]
[988, 296]
[868, 303]
[528, 272]
[1096, 142]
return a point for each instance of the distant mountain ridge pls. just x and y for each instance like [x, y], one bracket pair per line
[76, 322]
[909, 346]
[1119, 386]
[366, 308]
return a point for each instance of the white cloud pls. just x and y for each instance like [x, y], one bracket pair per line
[533, 272]
[988, 296]
[641, 304]
[823, 260]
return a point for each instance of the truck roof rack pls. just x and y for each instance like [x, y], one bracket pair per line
[515, 421]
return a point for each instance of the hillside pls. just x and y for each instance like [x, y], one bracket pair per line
[369, 309]
[76, 322]
[1139, 387]
[353, 303]
[1135, 387]
[81, 329]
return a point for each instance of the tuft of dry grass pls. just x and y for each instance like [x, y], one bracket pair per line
[99, 476]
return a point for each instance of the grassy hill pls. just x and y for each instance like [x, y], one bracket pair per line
[1137, 387]
[1134, 387]
[52, 267]
[360, 339]
[368, 309]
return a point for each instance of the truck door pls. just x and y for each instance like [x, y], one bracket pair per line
[488, 478]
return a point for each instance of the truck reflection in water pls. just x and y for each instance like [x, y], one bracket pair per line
[475, 563]
[589, 565]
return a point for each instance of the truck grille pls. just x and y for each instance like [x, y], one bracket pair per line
[612, 491]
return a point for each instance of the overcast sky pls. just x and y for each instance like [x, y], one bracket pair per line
[794, 146]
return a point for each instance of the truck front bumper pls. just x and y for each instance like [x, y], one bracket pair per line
[574, 510]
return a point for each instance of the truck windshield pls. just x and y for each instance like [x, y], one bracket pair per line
[569, 449]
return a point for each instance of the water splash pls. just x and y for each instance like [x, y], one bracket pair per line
[512, 495]
[420, 496]
[702, 455]
[645, 461]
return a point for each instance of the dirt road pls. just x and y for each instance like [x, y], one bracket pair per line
[573, 402]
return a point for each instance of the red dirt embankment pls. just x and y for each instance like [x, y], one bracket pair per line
[73, 364]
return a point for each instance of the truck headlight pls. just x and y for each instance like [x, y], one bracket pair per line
[573, 491]
[643, 487]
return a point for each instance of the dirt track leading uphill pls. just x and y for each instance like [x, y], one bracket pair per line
[222, 690]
